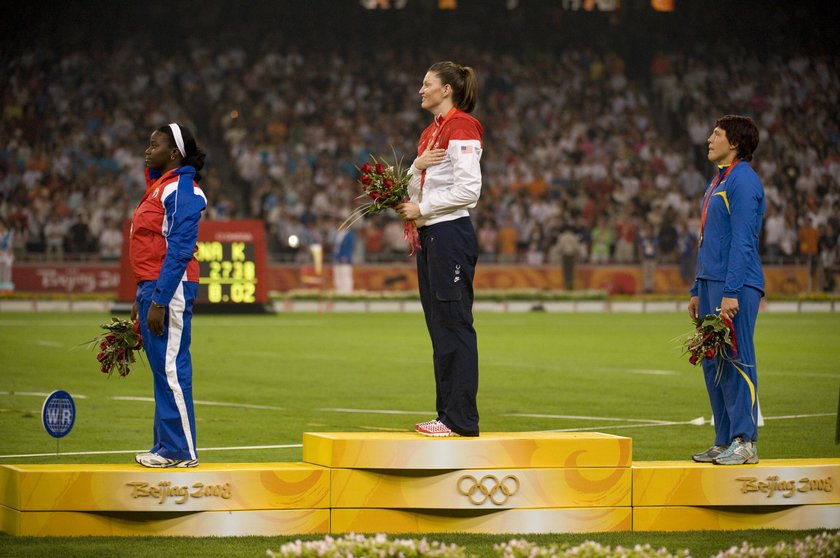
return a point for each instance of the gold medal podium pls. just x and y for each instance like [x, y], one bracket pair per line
[505, 483]
[496, 483]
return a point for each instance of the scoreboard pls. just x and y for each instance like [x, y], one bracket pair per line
[232, 263]
[228, 271]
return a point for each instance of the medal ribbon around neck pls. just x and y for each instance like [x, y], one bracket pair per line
[718, 180]
[431, 144]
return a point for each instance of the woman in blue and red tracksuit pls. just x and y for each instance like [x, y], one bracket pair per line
[445, 184]
[164, 232]
[730, 282]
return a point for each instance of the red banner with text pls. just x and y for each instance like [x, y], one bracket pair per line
[104, 278]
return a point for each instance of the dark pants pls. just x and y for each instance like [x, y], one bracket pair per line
[445, 270]
[569, 271]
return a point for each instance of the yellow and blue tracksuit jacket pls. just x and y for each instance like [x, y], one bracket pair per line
[728, 265]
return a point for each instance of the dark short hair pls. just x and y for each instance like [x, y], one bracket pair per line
[741, 132]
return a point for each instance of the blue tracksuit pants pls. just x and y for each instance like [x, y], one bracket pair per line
[734, 398]
[169, 359]
[445, 270]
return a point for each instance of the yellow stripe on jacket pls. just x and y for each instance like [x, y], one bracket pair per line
[725, 200]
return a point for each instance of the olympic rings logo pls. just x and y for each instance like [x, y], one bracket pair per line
[488, 488]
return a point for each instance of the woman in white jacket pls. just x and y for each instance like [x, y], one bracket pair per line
[445, 184]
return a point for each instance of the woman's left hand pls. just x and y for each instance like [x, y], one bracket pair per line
[154, 319]
[409, 211]
[728, 307]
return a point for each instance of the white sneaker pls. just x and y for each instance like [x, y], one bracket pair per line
[434, 428]
[158, 461]
[144, 455]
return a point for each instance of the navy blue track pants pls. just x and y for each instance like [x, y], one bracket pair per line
[445, 270]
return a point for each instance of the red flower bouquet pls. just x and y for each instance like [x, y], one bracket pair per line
[383, 186]
[713, 338]
[117, 346]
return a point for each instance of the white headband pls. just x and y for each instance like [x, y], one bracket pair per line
[179, 139]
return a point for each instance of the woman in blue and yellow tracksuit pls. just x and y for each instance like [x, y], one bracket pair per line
[730, 282]
[164, 232]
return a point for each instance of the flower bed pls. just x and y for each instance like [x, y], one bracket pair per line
[824, 545]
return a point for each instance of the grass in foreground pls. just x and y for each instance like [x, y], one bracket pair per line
[701, 544]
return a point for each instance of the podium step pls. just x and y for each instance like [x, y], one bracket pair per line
[735, 518]
[130, 488]
[771, 482]
[481, 488]
[772, 494]
[519, 521]
[493, 450]
[522, 482]
[214, 499]
[189, 524]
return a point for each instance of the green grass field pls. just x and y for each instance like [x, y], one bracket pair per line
[264, 380]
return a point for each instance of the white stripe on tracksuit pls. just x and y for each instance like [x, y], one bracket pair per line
[173, 346]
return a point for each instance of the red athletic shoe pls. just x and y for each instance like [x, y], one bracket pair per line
[434, 428]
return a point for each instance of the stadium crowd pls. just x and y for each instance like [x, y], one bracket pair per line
[583, 158]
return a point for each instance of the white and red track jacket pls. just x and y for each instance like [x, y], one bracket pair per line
[452, 187]
[164, 231]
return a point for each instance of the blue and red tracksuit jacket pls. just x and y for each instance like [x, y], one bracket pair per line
[164, 231]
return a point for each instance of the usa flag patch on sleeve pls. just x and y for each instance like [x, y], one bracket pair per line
[466, 149]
